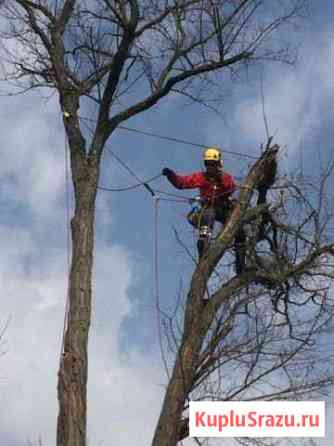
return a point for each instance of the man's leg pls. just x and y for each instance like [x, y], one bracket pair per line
[222, 214]
[205, 226]
[199, 219]
[223, 211]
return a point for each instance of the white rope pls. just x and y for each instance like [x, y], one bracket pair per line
[68, 240]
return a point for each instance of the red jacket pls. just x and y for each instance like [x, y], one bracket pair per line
[224, 188]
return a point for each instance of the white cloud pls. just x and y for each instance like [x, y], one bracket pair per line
[122, 389]
[285, 102]
[120, 386]
[296, 100]
[29, 367]
[33, 158]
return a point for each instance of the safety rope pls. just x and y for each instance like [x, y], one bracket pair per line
[170, 194]
[145, 183]
[122, 163]
[183, 141]
[156, 245]
[142, 183]
[178, 140]
[68, 241]
[156, 282]
[189, 199]
[174, 200]
[134, 186]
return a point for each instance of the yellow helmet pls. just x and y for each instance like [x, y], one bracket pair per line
[212, 154]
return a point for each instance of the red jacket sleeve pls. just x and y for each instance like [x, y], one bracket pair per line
[186, 181]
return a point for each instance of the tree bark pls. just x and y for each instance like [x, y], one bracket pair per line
[169, 427]
[72, 376]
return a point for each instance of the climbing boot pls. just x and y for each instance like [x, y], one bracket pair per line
[204, 240]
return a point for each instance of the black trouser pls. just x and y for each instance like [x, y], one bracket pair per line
[203, 219]
[207, 215]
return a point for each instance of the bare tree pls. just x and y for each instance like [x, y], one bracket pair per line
[258, 336]
[98, 54]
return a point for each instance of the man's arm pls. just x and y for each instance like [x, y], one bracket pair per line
[183, 181]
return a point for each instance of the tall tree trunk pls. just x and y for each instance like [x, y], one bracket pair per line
[169, 426]
[72, 376]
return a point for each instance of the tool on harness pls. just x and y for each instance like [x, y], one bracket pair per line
[194, 214]
[202, 217]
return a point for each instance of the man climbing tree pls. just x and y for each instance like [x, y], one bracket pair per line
[248, 340]
[216, 186]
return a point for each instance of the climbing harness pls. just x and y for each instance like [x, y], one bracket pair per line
[205, 230]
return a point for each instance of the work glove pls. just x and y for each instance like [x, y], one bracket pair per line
[167, 172]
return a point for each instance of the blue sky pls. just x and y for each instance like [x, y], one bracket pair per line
[126, 377]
